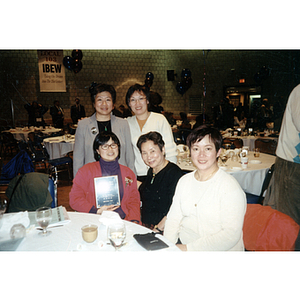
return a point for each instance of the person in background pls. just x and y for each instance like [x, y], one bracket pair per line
[77, 111]
[284, 188]
[103, 97]
[82, 197]
[155, 101]
[209, 205]
[36, 113]
[143, 121]
[185, 122]
[125, 111]
[57, 114]
[158, 189]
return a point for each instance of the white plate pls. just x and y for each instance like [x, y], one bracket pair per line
[235, 169]
[254, 161]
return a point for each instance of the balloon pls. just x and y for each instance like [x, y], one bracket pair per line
[187, 83]
[186, 73]
[77, 66]
[77, 54]
[68, 62]
[149, 75]
[148, 82]
[180, 88]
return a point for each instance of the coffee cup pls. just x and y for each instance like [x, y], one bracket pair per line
[89, 233]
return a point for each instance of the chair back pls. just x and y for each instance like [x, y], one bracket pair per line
[52, 188]
[237, 143]
[267, 146]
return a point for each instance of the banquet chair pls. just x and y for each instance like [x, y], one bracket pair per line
[266, 229]
[52, 188]
[41, 155]
[235, 143]
[9, 145]
[267, 146]
[254, 199]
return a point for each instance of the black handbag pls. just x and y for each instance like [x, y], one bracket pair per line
[149, 241]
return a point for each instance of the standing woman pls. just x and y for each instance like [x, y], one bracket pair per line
[143, 121]
[103, 98]
[159, 187]
[209, 205]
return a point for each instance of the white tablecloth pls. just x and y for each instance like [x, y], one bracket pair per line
[69, 238]
[250, 179]
[250, 140]
[21, 134]
[59, 146]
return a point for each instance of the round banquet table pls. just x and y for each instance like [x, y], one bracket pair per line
[250, 140]
[68, 237]
[59, 146]
[21, 133]
[250, 179]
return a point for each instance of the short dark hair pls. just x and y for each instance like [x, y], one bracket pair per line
[139, 88]
[99, 88]
[200, 132]
[153, 136]
[101, 139]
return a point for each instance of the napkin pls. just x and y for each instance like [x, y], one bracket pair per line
[109, 217]
[9, 220]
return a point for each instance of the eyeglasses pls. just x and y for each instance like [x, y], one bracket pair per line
[106, 146]
[133, 101]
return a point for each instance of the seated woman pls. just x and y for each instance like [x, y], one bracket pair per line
[209, 205]
[158, 189]
[106, 149]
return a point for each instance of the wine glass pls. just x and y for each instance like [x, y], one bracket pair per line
[116, 233]
[3, 206]
[223, 158]
[43, 216]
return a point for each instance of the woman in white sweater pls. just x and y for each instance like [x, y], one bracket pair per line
[143, 121]
[209, 205]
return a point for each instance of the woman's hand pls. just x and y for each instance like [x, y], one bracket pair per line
[107, 207]
[160, 225]
[182, 247]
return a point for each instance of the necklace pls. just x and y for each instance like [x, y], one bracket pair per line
[209, 176]
[154, 174]
[104, 125]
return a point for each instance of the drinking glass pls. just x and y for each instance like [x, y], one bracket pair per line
[43, 216]
[256, 152]
[116, 233]
[223, 158]
[3, 206]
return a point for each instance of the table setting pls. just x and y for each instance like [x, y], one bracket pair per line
[36, 231]
[21, 133]
[59, 146]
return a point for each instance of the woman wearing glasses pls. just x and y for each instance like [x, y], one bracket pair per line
[103, 98]
[82, 197]
[143, 121]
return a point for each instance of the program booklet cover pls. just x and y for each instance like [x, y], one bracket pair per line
[107, 190]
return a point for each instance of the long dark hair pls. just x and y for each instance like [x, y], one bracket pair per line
[101, 139]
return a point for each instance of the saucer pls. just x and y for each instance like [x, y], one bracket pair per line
[254, 161]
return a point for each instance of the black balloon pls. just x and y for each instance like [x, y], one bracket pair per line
[77, 54]
[148, 82]
[77, 66]
[149, 75]
[180, 88]
[68, 62]
[186, 73]
[187, 83]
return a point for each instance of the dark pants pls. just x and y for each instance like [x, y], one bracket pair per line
[283, 193]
